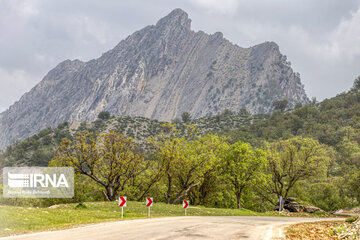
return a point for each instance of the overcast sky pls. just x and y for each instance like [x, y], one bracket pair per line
[321, 38]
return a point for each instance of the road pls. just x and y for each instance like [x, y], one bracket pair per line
[176, 228]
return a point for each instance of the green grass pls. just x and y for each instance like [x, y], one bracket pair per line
[16, 220]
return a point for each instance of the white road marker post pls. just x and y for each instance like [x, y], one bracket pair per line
[149, 203]
[185, 205]
[280, 203]
[122, 204]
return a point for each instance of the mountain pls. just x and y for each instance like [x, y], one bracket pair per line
[157, 72]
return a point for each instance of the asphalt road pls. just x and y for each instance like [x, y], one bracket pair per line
[176, 228]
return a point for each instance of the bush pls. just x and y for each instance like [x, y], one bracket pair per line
[81, 206]
[351, 219]
[104, 115]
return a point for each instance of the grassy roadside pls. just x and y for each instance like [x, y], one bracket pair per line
[17, 220]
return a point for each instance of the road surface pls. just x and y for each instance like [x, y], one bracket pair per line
[168, 228]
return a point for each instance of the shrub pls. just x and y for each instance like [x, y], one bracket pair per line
[351, 219]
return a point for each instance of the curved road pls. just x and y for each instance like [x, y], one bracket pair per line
[261, 228]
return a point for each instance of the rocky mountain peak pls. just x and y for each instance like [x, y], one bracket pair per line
[158, 72]
[176, 18]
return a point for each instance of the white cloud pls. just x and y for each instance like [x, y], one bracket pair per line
[218, 6]
[346, 37]
[13, 85]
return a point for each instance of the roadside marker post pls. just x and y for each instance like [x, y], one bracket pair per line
[122, 204]
[149, 203]
[280, 201]
[185, 205]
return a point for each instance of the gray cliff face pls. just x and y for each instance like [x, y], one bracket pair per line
[157, 72]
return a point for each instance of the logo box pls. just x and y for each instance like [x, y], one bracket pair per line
[38, 182]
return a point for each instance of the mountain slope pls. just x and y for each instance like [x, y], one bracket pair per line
[39, 149]
[157, 72]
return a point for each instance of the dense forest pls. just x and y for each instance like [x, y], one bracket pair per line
[311, 152]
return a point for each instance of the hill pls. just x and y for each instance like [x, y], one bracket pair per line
[38, 149]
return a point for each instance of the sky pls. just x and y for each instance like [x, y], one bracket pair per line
[320, 38]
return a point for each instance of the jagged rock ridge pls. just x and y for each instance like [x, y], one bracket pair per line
[158, 72]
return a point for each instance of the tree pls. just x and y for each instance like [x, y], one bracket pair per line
[198, 159]
[104, 115]
[186, 117]
[109, 160]
[183, 162]
[227, 112]
[243, 167]
[356, 85]
[313, 101]
[298, 105]
[280, 105]
[351, 182]
[243, 111]
[165, 147]
[295, 159]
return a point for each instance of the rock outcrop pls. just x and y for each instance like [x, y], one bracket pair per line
[158, 72]
[291, 205]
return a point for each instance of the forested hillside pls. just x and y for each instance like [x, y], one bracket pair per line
[38, 149]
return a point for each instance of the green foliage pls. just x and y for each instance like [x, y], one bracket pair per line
[109, 160]
[186, 162]
[104, 115]
[281, 105]
[63, 125]
[293, 160]
[325, 195]
[243, 167]
[186, 117]
[351, 219]
[80, 206]
[298, 105]
[356, 85]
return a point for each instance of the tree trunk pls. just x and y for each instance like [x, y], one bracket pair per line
[183, 193]
[238, 198]
[168, 194]
[109, 195]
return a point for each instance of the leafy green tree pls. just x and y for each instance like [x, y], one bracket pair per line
[104, 115]
[351, 184]
[167, 147]
[110, 160]
[281, 105]
[227, 112]
[295, 159]
[243, 167]
[356, 85]
[199, 157]
[326, 196]
[298, 105]
[184, 162]
[186, 117]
